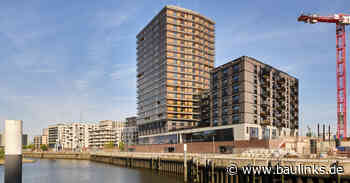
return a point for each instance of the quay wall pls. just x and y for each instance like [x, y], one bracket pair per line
[57, 155]
[206, 168]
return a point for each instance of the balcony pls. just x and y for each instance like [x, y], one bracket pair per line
[265, 103]
[265, 93]
[280, 88]
[265, 84]
[265, 71]
[265, 112]
[265, 122]
[266, 76]
[281, 81]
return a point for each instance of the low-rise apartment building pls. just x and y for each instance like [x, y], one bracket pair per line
[105, 132]
[74, 136]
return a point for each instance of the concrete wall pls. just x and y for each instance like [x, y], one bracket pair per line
[207, 147]
[50, 155]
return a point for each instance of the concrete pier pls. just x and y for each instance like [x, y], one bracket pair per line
[13, 151]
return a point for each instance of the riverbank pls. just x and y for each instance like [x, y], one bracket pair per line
[2, 161]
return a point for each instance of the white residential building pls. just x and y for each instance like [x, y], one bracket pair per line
[106, 131]
[74, 137]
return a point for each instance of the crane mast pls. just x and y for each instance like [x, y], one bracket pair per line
[341, 20]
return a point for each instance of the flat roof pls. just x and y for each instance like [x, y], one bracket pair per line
[253, 59]
[174, 8]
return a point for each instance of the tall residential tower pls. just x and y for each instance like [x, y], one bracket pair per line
[175, 54]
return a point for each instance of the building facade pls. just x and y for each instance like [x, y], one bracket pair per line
[25, 140]
[74, 136]
[37, 142]
[175, 53]
[204, 98]
[55, 135]
[105, 132]
[130, 132]
[259, 100]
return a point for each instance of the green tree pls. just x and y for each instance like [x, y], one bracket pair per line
[121, 145]
[30, 146]
[109, 145]
[2, 153]
[43, 147]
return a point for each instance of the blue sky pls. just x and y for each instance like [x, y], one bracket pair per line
[60, 59]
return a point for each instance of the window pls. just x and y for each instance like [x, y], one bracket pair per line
[253, 132]
[235, 78]
[236, 68]
[274, 134]
[235, 119]
[174, 13]
[266, 133]
[235, 108]
[225, 71]
[235, 99]
[235, 89]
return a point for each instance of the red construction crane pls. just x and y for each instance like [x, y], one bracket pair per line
[341, 20]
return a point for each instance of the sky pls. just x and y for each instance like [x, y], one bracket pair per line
[64, 61]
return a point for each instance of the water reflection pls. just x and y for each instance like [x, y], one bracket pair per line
[79, 171]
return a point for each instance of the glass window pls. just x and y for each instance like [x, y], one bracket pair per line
[235, 88]
[266, 133]
[254, 132]
[236, 68]
[235, 99]
[235, 108]
[235, 78]
[235, 118]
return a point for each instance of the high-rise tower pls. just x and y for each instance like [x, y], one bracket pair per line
[175, 54]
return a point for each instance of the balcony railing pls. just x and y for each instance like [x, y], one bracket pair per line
[265, 122]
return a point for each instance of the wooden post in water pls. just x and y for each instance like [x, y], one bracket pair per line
[185, 163]
[13, 151]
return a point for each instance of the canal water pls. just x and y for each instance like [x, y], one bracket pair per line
[81, 171]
